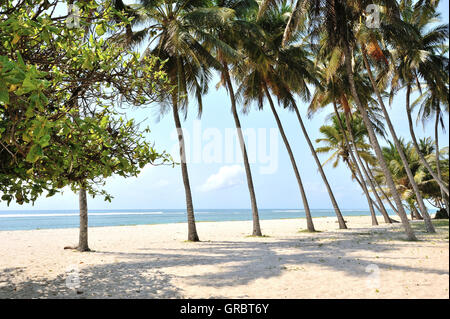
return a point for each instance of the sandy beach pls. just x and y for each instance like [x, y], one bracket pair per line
[155, 261]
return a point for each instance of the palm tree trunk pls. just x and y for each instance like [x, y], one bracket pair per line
[419, 199]
[83, 238]
[309, 221]
[382, 208]
[378, 187]
[362, 171]
[438, 165]
[358, 171]
[370, 200]
[357, 164]
[340, 218]
[248, 172]
[192, 231]
[376, 146]
[416, 145]
[416, 213]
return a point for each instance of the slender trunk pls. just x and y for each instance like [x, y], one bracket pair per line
[378, 187]
[248, 172]
[376, 146]
[382, 208]
[416, 145]
[83, 239]
[192, 231]
[416, 213]
[438, 165]
[371, 202]
[340, 218]
[419, 199]
[341, 125]
[357, 167]
[309, 221]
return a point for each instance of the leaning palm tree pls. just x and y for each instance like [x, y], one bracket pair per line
[417, 56]
[226, 42]
[337, 19]
[333, 91]
[292, 73]
[434, 104]
[260, 73]
[171, 26]
[367, 38]
[336, 141]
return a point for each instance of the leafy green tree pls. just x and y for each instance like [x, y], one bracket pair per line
[59, 88]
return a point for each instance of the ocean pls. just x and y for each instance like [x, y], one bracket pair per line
[49, 219]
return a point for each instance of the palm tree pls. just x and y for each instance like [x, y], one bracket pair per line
[434, 103]
[226, 45]
[294, 71]
[337, 20]
[260, 73]
[430, 188]
[172, 26]
[398, 172]
[423, 209]
[416, 56]
[331, 90]
[335, 137]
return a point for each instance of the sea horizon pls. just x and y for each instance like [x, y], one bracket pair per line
[69, 218]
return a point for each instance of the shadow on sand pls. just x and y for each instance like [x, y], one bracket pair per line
[145, 275]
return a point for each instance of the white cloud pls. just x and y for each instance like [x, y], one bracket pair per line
[228, 176]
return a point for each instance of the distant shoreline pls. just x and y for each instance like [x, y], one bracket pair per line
[66, 219]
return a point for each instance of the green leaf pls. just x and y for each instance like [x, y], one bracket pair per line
[100, 30]
[35, 153]
[4, 94]
[44, 140]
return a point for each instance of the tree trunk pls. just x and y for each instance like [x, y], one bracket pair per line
[376, 146]
[248, 172]
[438, 165]
[416, 145]
[309, 221]
[419, 199]
[378, 187]
[357, 163]
[416, 213]
[357, 167]
[83, 239]
[192, 231]
[381, 207]
[340, 218]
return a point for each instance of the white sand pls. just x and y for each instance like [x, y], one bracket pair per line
[154, 261]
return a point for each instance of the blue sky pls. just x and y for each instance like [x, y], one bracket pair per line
[222, 185]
